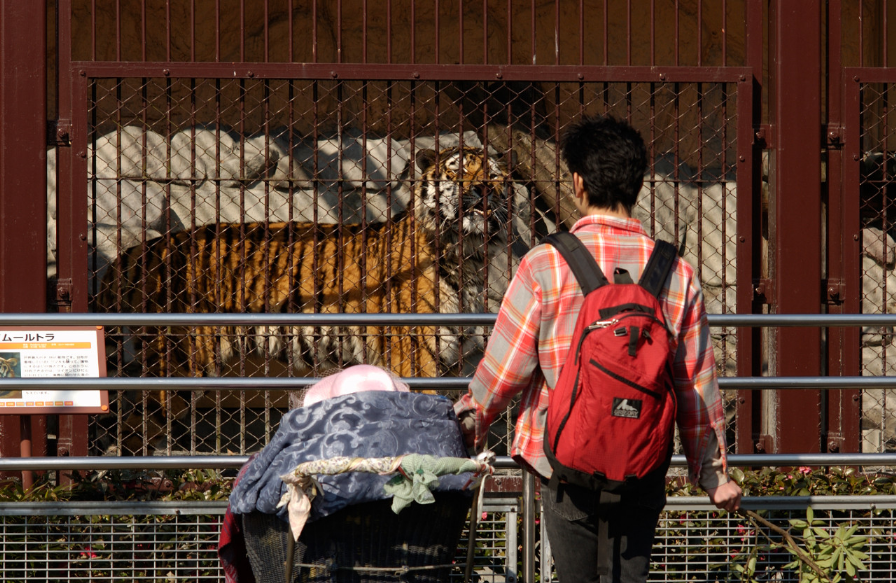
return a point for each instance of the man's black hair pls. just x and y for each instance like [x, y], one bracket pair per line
[611, 158]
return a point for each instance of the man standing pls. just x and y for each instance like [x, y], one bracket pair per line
[594, 539]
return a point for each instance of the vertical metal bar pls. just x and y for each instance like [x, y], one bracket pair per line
[843, 412]
[460, 32]
[532, 26]
[118, 31]
[219, 258]
[699, 33]
[852, 253]
[676, 32]
[387, 331]
[606, 33]
[73, 206]
[861, 25]
[362, 260]
[528, 527]
[92, 29]
[652, 160]
[509, 34]
[484, 32]
[143, 39]
[724, 33]
[167, 31]
[23, 186]
[340, 205]
[315, 201]
[652, 34]
[192, 361]
[193, 35]
[412, 202]
[798, 216]
[291, 357]
[217, 31]
[546, 559]
[557, 32]
[749, 208]
[510, 543]
[72, 436]
[581, 32]
[700, 193]
[628, 28]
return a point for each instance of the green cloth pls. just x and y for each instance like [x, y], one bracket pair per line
[423, 473]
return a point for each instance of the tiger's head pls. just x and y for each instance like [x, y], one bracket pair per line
[7, 369]
[462, 202]
[464, 194]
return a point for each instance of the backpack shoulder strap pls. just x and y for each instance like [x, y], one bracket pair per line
[586, 270]
[658, 267]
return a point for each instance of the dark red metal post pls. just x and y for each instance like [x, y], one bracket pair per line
[71, 250]
[842, 430]
[749, 221]
[23, 187]
[797, 253]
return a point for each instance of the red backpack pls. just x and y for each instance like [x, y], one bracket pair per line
[611, 417]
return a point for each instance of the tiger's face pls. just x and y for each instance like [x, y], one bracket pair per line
[6, 367]
[462, 192]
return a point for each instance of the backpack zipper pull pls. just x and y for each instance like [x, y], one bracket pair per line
[601, 324]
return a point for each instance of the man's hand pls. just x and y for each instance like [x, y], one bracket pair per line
[726, 497]
[468, 428]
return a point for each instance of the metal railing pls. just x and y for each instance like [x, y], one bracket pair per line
[529, 511]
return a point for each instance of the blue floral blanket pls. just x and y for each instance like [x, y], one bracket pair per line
[368, 424]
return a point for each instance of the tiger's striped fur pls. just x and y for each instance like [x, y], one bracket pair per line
[431, 258]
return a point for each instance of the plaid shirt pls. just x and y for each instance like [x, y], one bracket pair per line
[534, 329]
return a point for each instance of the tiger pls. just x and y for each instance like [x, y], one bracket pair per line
[433, 257]
[7, 370]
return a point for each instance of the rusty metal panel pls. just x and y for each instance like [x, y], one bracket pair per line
[23, 110]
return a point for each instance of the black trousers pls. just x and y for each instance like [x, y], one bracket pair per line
[598, 537]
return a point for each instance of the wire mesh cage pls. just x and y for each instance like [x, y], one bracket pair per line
[316, 196]
[878, 279]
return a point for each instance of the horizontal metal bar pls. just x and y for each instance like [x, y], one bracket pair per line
[715, 320]
[348, 320]
[223, 462]
[432, 384]
[114, 508]
[413, 72]
[869, 74]
[219, 507]
[683, 503]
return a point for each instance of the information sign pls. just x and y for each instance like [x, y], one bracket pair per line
[59, 351]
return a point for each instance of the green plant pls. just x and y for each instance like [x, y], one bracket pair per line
[820, 555]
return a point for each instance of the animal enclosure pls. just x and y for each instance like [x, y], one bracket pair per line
[351, 157]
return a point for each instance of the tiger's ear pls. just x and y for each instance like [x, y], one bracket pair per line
[425, 159]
